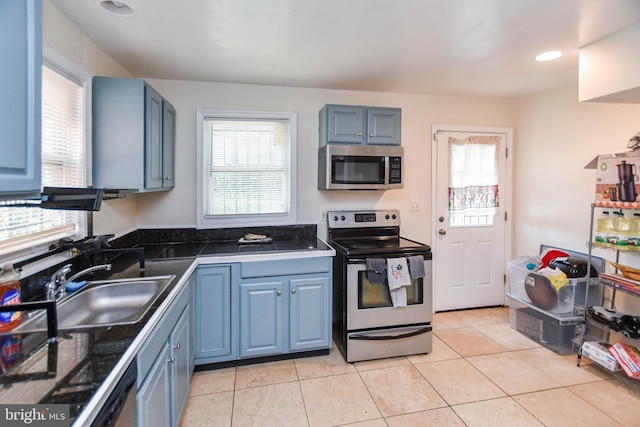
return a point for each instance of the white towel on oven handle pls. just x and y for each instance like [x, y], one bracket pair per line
[397, 279]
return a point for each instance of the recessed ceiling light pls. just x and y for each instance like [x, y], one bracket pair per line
[549, 56]
[117, 7]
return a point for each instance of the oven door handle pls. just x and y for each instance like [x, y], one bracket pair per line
[390, 337]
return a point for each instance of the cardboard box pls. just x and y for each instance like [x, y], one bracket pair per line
[599, 354]
[617, 179]
[628, 357]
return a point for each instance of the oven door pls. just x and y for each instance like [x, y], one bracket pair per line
[369, 305]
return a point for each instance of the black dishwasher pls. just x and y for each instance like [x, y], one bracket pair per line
[120, 408]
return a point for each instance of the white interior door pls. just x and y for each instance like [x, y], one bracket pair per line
[470, 238]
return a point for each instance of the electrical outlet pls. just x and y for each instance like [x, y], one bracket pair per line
[414, 206]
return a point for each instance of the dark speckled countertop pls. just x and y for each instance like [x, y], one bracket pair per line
[72, 370]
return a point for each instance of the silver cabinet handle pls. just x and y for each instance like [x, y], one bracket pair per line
[442, 231]
[177, 346]
[293, 291]
[279, 293]
[371, 135]
[359, 133]
[172, 360]
[166, 178]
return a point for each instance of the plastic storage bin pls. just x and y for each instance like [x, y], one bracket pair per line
[536, 289]
[561, 301]
[560, 334]
[517, 272]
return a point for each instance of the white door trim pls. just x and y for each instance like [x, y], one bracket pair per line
[506, 198]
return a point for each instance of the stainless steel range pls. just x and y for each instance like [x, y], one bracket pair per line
[367, 322]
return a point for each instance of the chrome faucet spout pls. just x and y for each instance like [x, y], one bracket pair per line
[56, 285]
[105, 267]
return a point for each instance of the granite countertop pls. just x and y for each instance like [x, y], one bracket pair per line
[72, 369]
[75, 369]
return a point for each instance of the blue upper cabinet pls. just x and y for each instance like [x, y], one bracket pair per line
[383, 126]
[133, 136]
[20, 103]
[351, 124]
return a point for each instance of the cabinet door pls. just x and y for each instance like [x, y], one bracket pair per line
[180, 343]
[213, 312]
[261, 317]
[154, 397]
[309, 313]
[383, 126]
[20, 104]
[345, 124]
[168, 144]
[153, 139]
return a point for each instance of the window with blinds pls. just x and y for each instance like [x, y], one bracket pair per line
[247, 166]
[63, 165]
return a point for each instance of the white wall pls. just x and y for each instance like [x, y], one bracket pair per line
[555, 137]
[419, 112]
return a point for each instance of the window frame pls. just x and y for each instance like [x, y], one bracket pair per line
[59, 64]
[203, 221]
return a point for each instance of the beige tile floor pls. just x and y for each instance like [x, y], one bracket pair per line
[480, 373]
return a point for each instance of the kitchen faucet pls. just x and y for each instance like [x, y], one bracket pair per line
[55, 287]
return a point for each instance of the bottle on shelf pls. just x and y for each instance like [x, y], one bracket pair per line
[604, 229]
[10, 294]
[620, 237]
[634, 233]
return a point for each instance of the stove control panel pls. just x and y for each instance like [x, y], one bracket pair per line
[361, 219]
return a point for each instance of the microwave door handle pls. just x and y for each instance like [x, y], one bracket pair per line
[391, 336]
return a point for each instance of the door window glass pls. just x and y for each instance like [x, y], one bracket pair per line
[473, 180]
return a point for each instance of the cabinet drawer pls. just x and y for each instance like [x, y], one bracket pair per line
[285, 267]
[160, 334]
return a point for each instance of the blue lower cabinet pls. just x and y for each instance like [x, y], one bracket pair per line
[154, 398]
[292, 310]
[262, 308]
[309, 313]
[181, 365]
[212, 302]
[261, 318]
[165, 365]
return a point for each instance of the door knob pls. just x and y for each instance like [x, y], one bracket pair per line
[279, 293]
[442, 231]
[441, 219]
[293, 291]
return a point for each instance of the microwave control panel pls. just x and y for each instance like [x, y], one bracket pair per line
[395, 170]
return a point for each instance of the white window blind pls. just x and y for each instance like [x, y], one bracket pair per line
[248, 167]
[63, 164]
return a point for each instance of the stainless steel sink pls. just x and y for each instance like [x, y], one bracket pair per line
[103, 303]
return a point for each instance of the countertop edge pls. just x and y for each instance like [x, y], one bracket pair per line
[221, 259]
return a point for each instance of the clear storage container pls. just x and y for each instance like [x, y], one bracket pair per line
[518, 270]
[560, 334]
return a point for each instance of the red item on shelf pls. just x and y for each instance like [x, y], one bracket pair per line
[628, 358]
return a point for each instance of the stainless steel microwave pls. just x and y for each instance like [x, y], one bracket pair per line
[359, 167]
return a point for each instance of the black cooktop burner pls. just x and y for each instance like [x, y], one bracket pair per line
[399, 246]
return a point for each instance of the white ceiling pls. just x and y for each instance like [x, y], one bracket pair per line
[439, 47]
